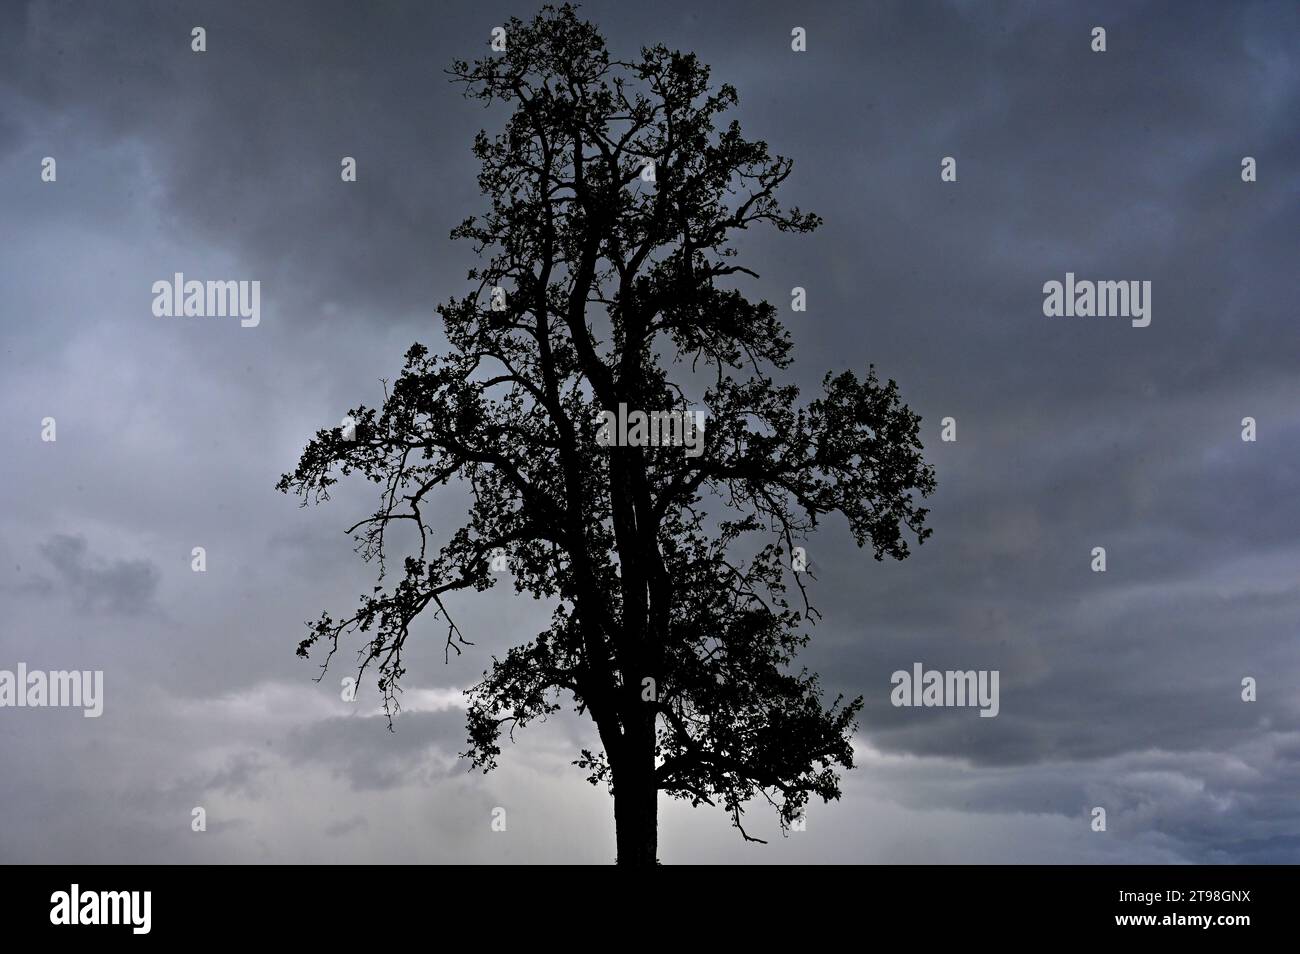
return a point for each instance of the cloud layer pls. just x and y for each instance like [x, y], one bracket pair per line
[1119, 689]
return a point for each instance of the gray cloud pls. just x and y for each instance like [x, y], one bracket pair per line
[90, 583]
[1119, 689]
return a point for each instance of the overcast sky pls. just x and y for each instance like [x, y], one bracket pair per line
[1119, 689]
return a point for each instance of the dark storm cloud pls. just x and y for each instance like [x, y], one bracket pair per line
[281, 96]
[92, 583]
[1119, 688]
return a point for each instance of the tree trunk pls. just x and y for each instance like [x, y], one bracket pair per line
[636, 802]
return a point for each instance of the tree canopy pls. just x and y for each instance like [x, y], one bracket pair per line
[608, 275]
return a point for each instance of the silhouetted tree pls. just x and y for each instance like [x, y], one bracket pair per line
[671, 629]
